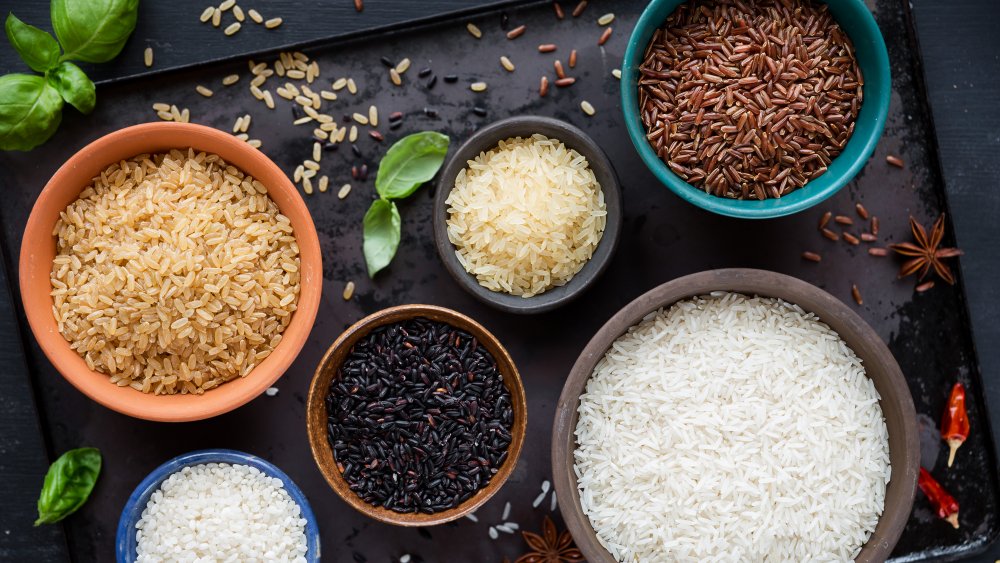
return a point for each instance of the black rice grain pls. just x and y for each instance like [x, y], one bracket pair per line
[451, 78]
[419, 417]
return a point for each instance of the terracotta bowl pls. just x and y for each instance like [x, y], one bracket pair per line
[38, 250]
[316, 414]
[880, 366]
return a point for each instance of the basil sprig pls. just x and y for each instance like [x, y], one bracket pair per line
[68, 484]
[92, 31]
[408, 164]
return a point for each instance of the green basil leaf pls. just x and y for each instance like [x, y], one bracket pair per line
[74, 86]
[35, 46]
[68, 484]
[30, 111]
[382, 231]
[410, 162]
[93, 30]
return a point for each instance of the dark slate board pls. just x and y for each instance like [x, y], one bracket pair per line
[663, 238]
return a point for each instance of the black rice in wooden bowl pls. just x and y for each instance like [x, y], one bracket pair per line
[749, 99]
[419, 417]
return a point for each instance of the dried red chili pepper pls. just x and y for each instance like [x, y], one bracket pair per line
[945, 504]
[955, 422]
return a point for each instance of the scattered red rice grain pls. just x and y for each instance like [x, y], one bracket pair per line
[830, 234]
[875, 226]
[825, 219]
[563, 82]
[559, 11]
[559, 69]
[604, 36]
[877, 251]
[359, 5]
[580, 8]
[543, 87]
[868, 237]
[811, 256]
[516, 32]
[925, 286]
[572, 59]
[851, 239]
[376, 135]
[862, 212]
[546, 47]
[894, 160]
[856, 294]
[843, 220]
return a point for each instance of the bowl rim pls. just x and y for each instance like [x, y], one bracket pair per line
[37, 237]
[574, 138]
[316, 415]
[877, 93]
[748, 281]
[124, 549]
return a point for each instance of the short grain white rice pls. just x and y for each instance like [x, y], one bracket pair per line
[221, 512]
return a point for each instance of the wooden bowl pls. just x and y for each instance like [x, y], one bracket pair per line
[38, 248]
[316, 414]
[880, 366]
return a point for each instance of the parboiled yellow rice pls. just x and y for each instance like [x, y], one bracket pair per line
[526, 216]
[174, 273]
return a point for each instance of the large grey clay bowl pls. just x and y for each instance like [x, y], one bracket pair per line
[488, 138]
[880, 366]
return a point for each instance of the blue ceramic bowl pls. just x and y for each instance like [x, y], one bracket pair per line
[125, 541]
[869, 49]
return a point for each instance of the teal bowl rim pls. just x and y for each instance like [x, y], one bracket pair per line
[874, 111]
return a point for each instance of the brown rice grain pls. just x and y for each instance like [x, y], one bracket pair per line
[348, 291]
[351, 86]
[516, 32]
[324, 183]
[604, 36]
[478, 86]
[255, 16]
[373, 115]
[606, 19]
[344, 190]
[203, 91]
[232, 28]
[238, 13]
[506, 64]
[272, 23]
[811, 256]
[580, 7]
[147, 57]
[231, 79]
[473, 30]
[207, 14]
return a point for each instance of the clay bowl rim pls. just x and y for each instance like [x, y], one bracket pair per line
[860, 336]
[316, 415]
[574, 138]
[38, 248]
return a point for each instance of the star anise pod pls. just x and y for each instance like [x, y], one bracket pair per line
[550, 547]
[927, 253]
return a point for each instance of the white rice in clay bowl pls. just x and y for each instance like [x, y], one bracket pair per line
[731, 427]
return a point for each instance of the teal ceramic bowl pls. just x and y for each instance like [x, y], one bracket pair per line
[869, 48]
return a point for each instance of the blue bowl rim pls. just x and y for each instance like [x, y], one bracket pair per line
[125, 552]
[752, 209]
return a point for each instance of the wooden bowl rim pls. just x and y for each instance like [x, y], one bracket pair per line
[830, 310]
[316, 412]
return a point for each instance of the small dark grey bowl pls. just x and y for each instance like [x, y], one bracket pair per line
[488, 138]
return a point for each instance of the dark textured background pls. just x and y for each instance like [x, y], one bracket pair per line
[960, 52]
